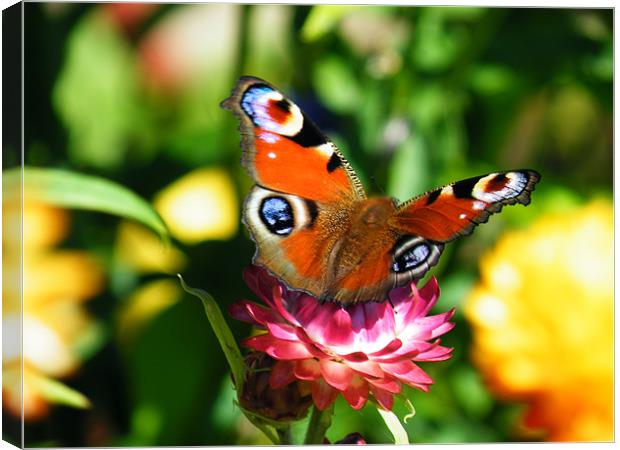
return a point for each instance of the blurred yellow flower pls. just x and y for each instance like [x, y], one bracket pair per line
[145, 303]
[200, 206]
[142, 250]
[542, 318]
[55, 283]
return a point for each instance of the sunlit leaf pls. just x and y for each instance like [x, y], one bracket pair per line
[56, 392]
[269, 54]
[491, 79]
[89, 341]
[75, 190]
[322, 19]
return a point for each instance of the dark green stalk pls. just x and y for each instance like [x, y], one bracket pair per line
[320, 421]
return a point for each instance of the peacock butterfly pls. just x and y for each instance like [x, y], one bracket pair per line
[315, 228]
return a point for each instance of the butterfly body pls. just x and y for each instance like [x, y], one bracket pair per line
[314, 226]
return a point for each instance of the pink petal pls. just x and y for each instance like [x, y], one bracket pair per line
[238, 311]
[327, 324]
[304, 308]
[337, 331]
[357, 392]
[437, 353]
[445, 327]
[279, 304]
[421, 387]
[336, 374]
[323, 394]
[355, 357]
[283, 331]
[372, 324]
[260, 282]
[281, 374]
[307, 369]
[410, 301]
[410, 350]
[277, 348]
[430, 291]
[425, 327]
[408, 372]
[384, 398]
[369, 368]
[386, 384]
[388, 349]
[258, 314]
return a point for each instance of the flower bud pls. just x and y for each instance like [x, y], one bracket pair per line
[283, 404]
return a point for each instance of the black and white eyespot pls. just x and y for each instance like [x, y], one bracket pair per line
[269, 109]
[413, 256]
[497, 187]
[271, 214]
[277, 215]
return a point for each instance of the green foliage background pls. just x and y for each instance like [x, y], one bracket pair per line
[415, 97]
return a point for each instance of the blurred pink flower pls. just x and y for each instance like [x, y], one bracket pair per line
[354, 350]
[129, 16]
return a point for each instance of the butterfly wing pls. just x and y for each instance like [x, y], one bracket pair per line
[305, 189]
[421, 226]
[446, 213]
[284, 151]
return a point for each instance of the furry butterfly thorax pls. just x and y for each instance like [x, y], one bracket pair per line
[312, 222]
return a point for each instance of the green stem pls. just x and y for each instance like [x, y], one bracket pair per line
[285, 435]
[319, 423]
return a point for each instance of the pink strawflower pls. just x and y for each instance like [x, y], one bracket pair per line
[353, 350]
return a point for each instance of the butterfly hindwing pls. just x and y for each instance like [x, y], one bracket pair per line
[446, 213]
[294, 237]
[284, 150]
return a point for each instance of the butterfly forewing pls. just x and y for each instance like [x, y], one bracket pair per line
[454, 210]
[284, 150]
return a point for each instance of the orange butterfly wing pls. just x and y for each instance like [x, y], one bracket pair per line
[305, 187]
[284, 151]
[446, 213]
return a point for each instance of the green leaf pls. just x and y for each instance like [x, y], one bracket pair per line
[336, 85]
[75, 190]
[409, 169]
[322, 19]
[230, 349]
[394, 425]
[56, 392]
[222, 331]
[470, 392]
[96, 95]
[492, 79]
